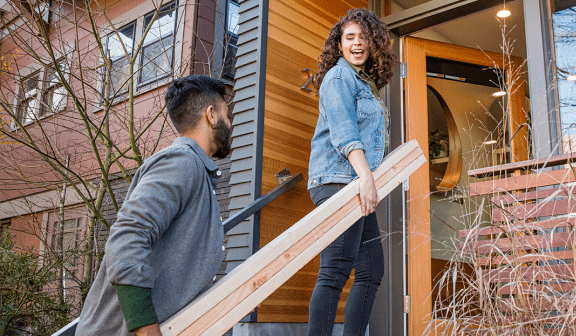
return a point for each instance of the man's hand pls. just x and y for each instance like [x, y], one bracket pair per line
[149, 330]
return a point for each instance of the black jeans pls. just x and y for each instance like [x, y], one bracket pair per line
[358, 248]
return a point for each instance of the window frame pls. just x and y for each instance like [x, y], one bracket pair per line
[30, 97]
[220, 41]
[229, 36]
[141, 82]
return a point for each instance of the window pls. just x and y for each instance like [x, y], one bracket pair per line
[120, 47]
[231, 41]
[159, 53]
[158, 48]
[28, 101]
[72, 237]
[54, 99]
[41, 94]
[564, 29]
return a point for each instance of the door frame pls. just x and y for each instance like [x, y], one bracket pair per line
[415, 51]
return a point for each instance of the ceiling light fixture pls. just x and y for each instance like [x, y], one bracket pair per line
[571, 78]
[499, 94]
[503, 13]
[489, 142]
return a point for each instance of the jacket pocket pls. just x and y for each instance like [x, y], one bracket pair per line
[368, 106]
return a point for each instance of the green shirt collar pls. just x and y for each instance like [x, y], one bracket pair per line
[358, 70]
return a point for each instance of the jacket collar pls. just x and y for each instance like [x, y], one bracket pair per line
[344, 63]
[208, 163]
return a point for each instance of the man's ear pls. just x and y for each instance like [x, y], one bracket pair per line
[211, 116]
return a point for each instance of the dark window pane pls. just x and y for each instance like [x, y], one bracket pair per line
[157, 53]
[28, 104]
[157, 59]
[230, 57]
[117, 46]
[117, 50]
[233, 17]
[163, 26]
[53, 100]
[119, 75]
[26, 110]
[54, 93]
[30, 84]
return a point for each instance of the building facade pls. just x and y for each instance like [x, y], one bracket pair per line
[78, 78]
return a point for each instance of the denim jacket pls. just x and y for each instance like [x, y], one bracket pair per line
[350, 118]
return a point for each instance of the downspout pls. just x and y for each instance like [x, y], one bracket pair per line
[192, 69]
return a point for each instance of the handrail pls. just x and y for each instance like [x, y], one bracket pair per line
[262, 201]
[528, 164]
[229, 224]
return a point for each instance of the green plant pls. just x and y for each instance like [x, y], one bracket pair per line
[437, 143]
[27, 305]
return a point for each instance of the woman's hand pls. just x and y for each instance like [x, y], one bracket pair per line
[368, 194]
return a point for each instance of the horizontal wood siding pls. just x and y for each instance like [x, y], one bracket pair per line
[297, 30]
[243, 170]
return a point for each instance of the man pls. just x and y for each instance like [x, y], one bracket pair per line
[166, 245]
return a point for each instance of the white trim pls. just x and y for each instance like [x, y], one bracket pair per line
[44, 201]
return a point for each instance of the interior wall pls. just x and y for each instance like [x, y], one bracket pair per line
[297, 30]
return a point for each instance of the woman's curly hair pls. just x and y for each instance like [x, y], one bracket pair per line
[377, 36]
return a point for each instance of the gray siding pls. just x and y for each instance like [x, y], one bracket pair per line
[245, 168]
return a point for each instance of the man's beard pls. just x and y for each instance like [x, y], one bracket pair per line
[222, 138]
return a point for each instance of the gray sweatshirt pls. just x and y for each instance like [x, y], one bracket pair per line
[168, 237]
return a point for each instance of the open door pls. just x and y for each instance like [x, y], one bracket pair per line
[423, 87]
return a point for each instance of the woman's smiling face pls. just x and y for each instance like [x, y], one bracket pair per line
[354, 47]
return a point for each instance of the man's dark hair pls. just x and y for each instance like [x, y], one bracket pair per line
[188, 96]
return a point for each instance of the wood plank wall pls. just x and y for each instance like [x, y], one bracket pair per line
[297, 30]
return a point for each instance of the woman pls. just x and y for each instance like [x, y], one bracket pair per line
[350, 140]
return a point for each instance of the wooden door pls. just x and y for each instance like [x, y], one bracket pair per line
[419, 283]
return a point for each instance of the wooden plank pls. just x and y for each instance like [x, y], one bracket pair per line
[242, 290]
[534, 210]
[535, 305]
[520, 227]
[524, 165]
[524, 258]
[561, 191]
[506, 243]
[530, 273]
[523, 182]
[530, 288]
